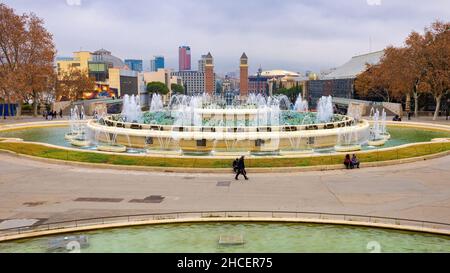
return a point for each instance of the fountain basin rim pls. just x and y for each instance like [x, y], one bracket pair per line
[347, 148]
[377, 142]
[112, 148]
[245, 219]
[199, 135]
[346, 122]
[80, 143]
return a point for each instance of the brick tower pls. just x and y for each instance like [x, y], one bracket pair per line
[244, 75]
[209, 74]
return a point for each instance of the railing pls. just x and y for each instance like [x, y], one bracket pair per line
[136, 218]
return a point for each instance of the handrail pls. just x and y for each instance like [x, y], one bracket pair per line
[205, 214]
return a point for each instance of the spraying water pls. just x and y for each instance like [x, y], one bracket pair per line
[325, 110]
[301, 105]
[131, 111]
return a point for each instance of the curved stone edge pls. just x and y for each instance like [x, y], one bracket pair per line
[222, 220]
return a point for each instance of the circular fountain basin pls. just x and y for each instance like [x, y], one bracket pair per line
[231, 139]
[80, 142]
[347, 148]
[117, 148]
[377, 142]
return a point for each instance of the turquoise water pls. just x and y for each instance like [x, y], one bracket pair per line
[258, 237]
[55, 136]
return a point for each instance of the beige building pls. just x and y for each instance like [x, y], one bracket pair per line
[162, 75]
[80, 61]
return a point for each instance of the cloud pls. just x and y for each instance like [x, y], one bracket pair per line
[289, 34]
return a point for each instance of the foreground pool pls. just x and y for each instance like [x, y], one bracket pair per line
[258, 237]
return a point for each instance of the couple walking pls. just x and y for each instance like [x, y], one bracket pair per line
[239, 167]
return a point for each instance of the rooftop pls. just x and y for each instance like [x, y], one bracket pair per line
[355, 66]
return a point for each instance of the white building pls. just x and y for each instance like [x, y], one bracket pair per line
[193, 81]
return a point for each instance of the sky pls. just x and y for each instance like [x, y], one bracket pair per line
[296, 35]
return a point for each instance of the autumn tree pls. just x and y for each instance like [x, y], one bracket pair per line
[422, 65]
[72, 83]
[436, 61]
[372, 82]
[12, 39]
[27, 53]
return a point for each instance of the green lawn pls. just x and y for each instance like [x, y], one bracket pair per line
[92, 157]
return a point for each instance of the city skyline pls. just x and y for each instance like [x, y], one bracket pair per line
[296, 35]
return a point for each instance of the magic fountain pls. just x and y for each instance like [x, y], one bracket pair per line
[213, 125]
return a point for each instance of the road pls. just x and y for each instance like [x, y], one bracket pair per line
[35, 190]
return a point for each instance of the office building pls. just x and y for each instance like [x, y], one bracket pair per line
[157, 63]
[135, 65]
[184, 58]
[193, 81]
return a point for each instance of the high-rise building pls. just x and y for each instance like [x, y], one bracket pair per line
[157, 63]
[210, 85]
[135, 65]
[201, 64]
[244, 75]
[184, 58]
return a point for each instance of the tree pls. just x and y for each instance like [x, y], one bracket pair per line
[372, 82]
[177, 88]
[157, 87]
[12, 40]
[436, 53]
[27, 53]
[422, 65]
[72, 84]
[38, 62]
[292, 93]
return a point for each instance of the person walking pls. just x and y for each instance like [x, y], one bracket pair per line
[241, 169]
[235, 165]
[60, 113]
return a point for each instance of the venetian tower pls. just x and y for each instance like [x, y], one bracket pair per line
[244, 76]
[209, 74]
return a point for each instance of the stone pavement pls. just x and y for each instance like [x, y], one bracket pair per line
[37, 190]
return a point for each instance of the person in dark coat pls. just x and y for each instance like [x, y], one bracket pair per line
[241, 169]
[348, 162]
[235, 165]
[60, 113]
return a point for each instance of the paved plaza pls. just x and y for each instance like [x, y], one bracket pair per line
[35, 190]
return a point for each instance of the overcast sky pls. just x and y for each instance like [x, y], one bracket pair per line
[295, 35]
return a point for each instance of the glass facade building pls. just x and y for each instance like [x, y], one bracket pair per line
[157, 63]
[135, 65]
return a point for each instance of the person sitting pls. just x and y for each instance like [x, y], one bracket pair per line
[348, 162]
[355, 162]
[397, 118]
